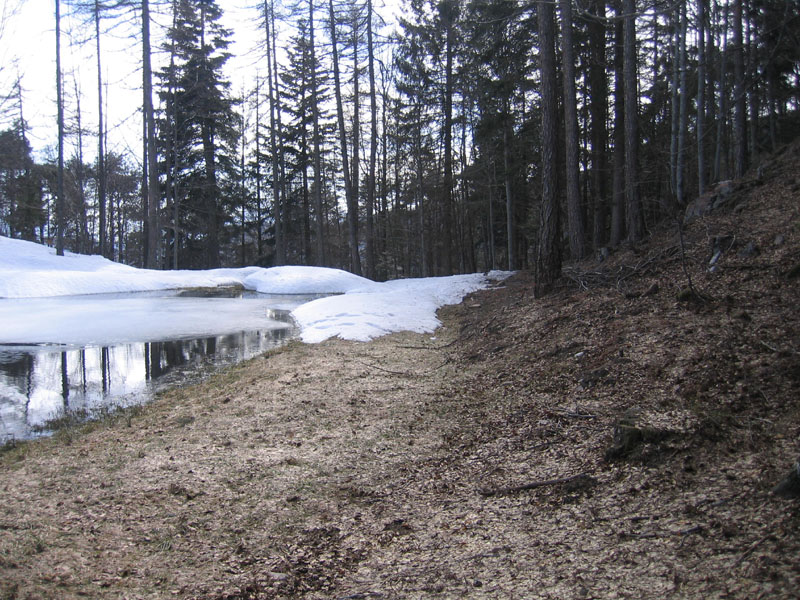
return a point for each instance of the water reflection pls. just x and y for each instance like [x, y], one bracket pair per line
[39, 384]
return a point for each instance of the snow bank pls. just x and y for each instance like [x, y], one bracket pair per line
[362, 310]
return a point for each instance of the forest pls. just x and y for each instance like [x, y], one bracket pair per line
[489, 134]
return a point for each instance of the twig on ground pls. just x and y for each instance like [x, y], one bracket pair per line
[750, 550]
[533, 485]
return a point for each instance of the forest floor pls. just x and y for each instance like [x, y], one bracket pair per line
[617, 438]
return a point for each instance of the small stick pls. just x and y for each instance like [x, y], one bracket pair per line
[750, 550]
[532, 485]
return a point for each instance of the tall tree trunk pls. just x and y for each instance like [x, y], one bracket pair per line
[548, 256]
[281, 140]
[171, 145]
[211, 187]
[674, 99]
[101, 151]
[60, 200]
[242, 187]
[723, 102]
[739, 95]
[320, 241]
[259, 215]
[449, 8]
[635, 224]
[355, 163]
[82, 228]
[683, 117]
[574, 214]
[373, 147]
[153, 195]
[512, 262]
[280, 255]
[701, 96]
[598, 107]
[618, 176]
[352, 201]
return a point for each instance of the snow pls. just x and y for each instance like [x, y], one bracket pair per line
[361, 309]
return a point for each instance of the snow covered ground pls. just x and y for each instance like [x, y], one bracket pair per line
[360, 310]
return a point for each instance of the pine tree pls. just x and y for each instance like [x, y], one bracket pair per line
[202, 124]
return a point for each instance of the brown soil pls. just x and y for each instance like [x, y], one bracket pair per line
[619, 437]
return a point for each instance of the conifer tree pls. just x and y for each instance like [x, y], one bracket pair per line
[202, 123]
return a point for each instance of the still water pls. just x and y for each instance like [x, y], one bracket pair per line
[82, 356]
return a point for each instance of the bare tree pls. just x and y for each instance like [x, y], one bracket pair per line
[60, 204]
[153, 229]
[351, 198]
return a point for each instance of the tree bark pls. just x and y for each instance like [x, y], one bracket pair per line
[373, 147]
[683, 117]
[739, 95]
[548, 256]
[574, 214]
[723, 103]
[701, 96]
[355, 164]
[320, 241]
[60, 200]
[618, 176]
[352, 202]
[633, 209]
[449, 8]
[280, 257]
[598, 107]
[153, 195]
[101, 152]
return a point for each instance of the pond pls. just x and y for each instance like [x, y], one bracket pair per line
[73, 358]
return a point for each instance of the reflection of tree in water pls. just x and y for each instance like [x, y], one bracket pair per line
[46, 385]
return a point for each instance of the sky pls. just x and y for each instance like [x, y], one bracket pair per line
[360, 310]
[27, 50]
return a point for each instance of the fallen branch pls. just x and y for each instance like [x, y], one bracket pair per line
[582, 477]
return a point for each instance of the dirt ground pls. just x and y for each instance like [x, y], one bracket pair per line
[617, 438]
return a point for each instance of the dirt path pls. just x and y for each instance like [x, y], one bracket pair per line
[255, 479]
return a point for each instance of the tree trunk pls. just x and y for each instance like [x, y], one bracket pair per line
[60, 200]
[153, 195]
[701, 96]
[674, 101]
[82, 227]
[373, 147]
[598, 107]
[633, 209]
[683, 117]
[739, 95]
[449, 8]
[512, 263]
[259, 215]
[352, 202]
[355, 164]
[574, 214]
[276, 186]
[618, 177]
[548, 256]
[283, 203]
[320, 241]
[723, 103]
[101, 152]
